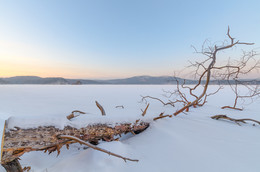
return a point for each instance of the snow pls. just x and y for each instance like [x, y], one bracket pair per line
[191, 142]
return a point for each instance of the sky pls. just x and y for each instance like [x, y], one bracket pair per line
[115, 38]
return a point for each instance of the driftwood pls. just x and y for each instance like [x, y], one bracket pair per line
[237, 121]
[18, 141]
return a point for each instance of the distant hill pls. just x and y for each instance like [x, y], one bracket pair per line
[138, 80]
[144, 80]
[33, 80]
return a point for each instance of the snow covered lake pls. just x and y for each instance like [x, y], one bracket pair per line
[188, 142]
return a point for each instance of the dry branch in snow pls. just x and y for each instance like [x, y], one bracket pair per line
[72, 115]
[145, 110]
[44, 138]
[101, 108]
[237, 121]
[162, 116]
[72, 138]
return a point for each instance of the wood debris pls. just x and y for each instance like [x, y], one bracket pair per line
[101, 109]
[237, 121]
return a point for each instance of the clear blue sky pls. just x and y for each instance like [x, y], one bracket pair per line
[115, 38]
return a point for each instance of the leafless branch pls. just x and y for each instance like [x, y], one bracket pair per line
[101, 109]
[155, 98]
[72, 115]
[162, 116]
[68, 137]
[144, 112]
[237, 121]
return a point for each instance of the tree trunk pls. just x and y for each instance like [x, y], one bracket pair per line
[18, 141]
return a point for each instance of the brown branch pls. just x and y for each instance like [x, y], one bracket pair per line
[101, 109]
[213, 56]
[28, 168]
[229, 107]
[234, 120]
[144, 112]
[72, 115]
[155, 98]
[162, 116]
[94, 147]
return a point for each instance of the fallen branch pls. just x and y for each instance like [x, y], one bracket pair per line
[144, 112]
[229, 107]
[18, 141]
[162, 116]
[94, 147]
[101, 108]
[72, 115]
[234, 120]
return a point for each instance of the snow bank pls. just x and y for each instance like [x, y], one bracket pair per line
[192, 142]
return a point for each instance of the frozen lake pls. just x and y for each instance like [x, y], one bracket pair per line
[192, 142]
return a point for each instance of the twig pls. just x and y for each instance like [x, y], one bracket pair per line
[162, 116]
[234, 120]
[155, 98]
[229, 107]
[101, 109]
[144, 112]
[72, 115]
[94, 147]
[120, 107]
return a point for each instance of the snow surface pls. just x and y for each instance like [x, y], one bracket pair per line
[192, 142]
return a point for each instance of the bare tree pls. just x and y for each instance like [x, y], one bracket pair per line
[208, 69]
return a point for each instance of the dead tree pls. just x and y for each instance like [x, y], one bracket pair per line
[207, 71]
[17, 141]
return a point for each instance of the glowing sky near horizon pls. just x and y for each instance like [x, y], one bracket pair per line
[115, 38]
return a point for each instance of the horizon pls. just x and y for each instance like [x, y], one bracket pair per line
[104, 79]
[88, 78]
[117, 39]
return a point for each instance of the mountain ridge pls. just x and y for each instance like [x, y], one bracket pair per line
[135, 80]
